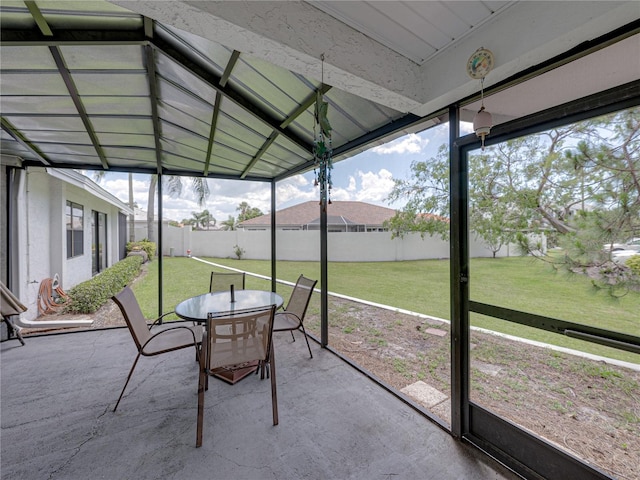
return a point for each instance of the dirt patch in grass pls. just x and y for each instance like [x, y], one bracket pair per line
[589, 408]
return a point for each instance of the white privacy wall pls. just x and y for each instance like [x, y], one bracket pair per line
[298, 245]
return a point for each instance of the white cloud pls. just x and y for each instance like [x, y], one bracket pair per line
[371, 187]
[374, 187]
[293, 190]
[411, 143]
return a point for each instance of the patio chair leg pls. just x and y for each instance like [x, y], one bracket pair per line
[202, 380]
[307, 340]
[294, 338]
[13, 329]
[274, 393]
[127, 382]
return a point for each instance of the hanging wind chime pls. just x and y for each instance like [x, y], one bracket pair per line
[479, 65]
[322, 147]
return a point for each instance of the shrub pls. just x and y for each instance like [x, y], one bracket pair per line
[238, 251]
[89, 296]
[146, 245]
[634, 264]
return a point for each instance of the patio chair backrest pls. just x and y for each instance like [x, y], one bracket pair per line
[133, 315]
[235, 338]
[221, 282]
[299, 300]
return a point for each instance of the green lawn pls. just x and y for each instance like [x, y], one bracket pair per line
[422, 286]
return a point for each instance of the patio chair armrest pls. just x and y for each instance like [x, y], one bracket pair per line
[193, 334]
[155, 322]
[288, 313]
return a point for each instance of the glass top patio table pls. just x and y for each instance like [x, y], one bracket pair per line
[197, 308]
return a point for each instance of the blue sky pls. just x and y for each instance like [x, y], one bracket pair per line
[366, 177]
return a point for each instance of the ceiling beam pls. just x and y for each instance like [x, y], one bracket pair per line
[258, 155]
[18, 137]
[77, 101]
[216, 107]
[304, 106]
[229, 68]
[39, 18]
[212, 132]
[153, 99]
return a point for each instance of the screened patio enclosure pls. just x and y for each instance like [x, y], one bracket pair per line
[227, 90]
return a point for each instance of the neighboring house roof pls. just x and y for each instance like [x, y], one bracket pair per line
[338, 212]
[81, 181]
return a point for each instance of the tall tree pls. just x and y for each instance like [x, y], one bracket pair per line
[247, 212]
[580, 184]
[174, 187]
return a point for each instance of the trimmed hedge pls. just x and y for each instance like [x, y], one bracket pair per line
[149, 247]
[634, 264]
[89, 296]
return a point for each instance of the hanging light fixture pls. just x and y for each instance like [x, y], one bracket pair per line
[322, 146]
[479, 65]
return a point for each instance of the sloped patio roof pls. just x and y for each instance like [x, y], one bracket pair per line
[227, 89]
[92, 85]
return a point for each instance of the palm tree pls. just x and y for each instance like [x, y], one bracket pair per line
[229, 224]
[174, 186]
[206, 219]
[201, 219]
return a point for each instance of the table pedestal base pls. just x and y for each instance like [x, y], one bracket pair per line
[233, 376]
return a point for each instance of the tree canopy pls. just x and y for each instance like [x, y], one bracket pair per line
[578, 184]
[247, 212]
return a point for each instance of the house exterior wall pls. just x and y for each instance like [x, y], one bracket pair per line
[305, 245]
[42, 235]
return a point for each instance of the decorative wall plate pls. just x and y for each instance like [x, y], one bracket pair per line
[480, 63]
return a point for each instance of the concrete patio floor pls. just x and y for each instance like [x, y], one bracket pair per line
[58, 393]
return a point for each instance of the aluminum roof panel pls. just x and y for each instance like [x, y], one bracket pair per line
[24, 57]
[69, 123]
[42, 104]
[170, 114]
[184, 136]
[116, 83]
[183, 100]
[116, 124]
[14, 83]
[102, 57]
[126, 140]
[53, 136]
[118, 106]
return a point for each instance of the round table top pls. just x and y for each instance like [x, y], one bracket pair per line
[197, 308]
